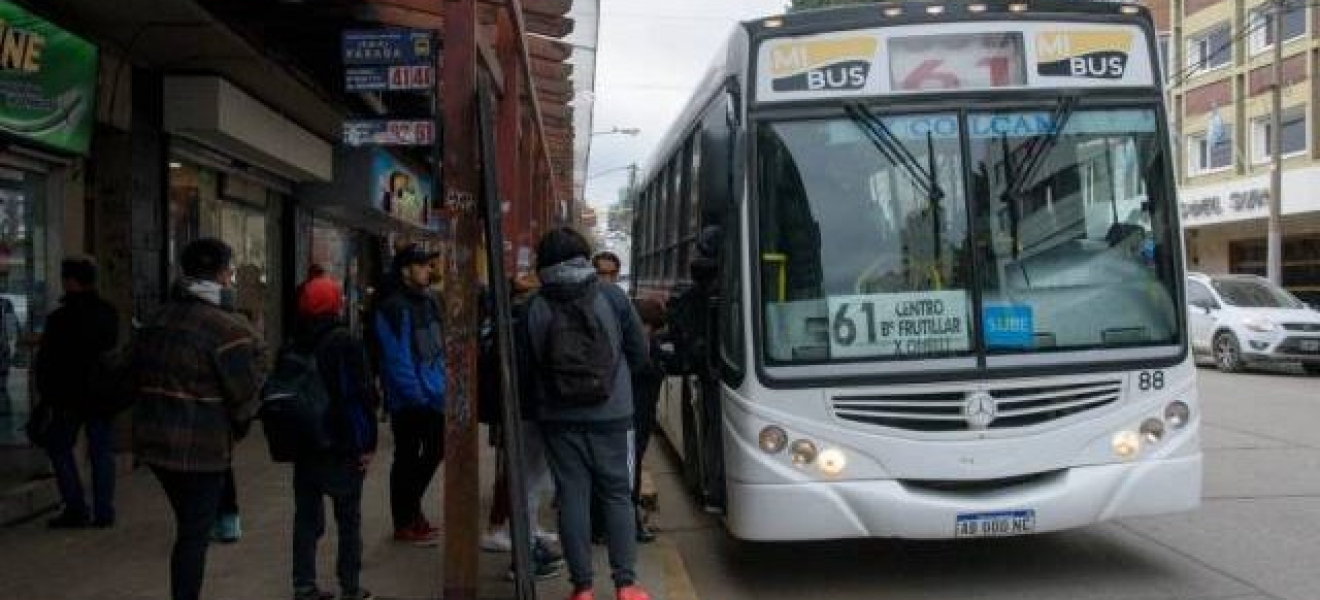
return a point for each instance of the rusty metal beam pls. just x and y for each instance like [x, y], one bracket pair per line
[462, 497]
[554, 8]
[549, 50]
[555, 27]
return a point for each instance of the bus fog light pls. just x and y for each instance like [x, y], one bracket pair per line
[1152, 430]
[1178, 414]
[803, 452]
[1126, 444]
[832, 461]
[773, 439]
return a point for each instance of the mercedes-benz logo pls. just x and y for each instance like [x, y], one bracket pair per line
[980, 410]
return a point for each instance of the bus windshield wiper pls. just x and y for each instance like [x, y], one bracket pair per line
[1035, 151]
[893, 149]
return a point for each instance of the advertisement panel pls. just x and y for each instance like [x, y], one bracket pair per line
[400, 190]
[47, 82]
[952, 57]
[388, 47]
[389, 132]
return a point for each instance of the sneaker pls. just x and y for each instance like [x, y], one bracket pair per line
[548, 537]
[544, 554]
[644, 534]
[424, 525]
[631, 592]
[583, 594]
[312, 594]
[361, 594]
[497, 541]
[541, 570]
[69, 520]
[416, 537]
[228, 529]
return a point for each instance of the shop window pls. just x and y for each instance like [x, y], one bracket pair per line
[1293, 140]
[25, 292]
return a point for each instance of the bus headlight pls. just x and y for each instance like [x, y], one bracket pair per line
[1152, 430]
[1126, 444]
[773, 439]
[1178, 414]
[832, 461]
[803, 452]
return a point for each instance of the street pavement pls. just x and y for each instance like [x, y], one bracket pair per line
[129, 562]
[1257, 535]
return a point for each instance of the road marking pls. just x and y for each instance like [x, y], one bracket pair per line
[677, 583]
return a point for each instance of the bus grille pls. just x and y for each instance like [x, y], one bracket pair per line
[945, 411]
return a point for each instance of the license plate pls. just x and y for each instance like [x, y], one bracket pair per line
[1310, 345]
[995, 524]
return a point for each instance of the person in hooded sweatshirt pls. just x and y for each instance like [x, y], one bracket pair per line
[590, 446]
[341, 360]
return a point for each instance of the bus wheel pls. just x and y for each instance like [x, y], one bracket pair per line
[1228, 355]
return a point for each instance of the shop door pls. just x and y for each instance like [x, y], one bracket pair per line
[23, 294]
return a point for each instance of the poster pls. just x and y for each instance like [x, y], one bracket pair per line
[47, 82]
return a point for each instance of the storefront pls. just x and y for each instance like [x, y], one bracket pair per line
[234, 166]
[1226, 228]
[350, 228]
[47, 92]
[210, 197]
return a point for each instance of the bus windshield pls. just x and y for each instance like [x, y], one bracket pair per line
[872, 247]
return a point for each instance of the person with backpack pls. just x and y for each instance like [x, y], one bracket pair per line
[336, 464]
[585, 341]
[409, 331]
[195, 374]
[78, 335]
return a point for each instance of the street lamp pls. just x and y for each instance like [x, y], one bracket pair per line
[618, 130]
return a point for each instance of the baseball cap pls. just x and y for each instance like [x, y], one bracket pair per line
[413, 255]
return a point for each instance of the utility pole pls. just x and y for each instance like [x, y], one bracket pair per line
[1274, 239]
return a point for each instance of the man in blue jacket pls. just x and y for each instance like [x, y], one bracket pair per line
[408, 328]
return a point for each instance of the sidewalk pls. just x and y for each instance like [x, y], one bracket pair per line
[130, 561]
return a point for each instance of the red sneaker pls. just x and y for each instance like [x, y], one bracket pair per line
[585, 594]
[415, 536]
[631, 592]
[423, 525]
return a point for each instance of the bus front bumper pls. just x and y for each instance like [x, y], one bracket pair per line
[887, 508]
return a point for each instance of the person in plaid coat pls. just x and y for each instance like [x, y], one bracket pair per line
[195, 375]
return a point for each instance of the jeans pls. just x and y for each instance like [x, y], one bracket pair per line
[583, 461]
[64, 436]
[313, 480]
[419, 446]
[195, 498]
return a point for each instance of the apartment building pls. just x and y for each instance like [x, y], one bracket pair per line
[1220, 81]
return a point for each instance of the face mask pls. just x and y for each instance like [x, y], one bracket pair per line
[228, 298]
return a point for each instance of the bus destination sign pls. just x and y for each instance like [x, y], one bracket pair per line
[961, 56]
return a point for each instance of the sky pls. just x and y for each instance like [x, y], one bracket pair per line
[651, 56]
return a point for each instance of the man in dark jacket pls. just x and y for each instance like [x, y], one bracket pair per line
[196, 371]
[408, 329]
[78, 335]
[341, 361]
[590, 447]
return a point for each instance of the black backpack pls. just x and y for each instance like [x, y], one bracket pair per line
[578, 358]
[296, 405]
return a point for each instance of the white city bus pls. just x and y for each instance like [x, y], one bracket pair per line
[949, 274]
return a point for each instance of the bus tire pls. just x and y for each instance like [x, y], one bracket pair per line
[1228, 353]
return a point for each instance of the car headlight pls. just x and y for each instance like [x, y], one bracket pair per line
[1259, 324]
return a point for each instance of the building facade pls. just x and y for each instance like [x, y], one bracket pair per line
[1220, 83]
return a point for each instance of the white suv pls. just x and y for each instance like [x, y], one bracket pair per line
[1241, 320]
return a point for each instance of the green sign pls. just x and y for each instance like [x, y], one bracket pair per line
[47, 81]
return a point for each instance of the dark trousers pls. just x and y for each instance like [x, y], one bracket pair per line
[312, 482]
[583, 461]
[64, 437]
[195, 499]
[646, 397]
[419, 446]
[229, 496]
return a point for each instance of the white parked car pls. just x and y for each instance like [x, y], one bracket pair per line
[1243, 320]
